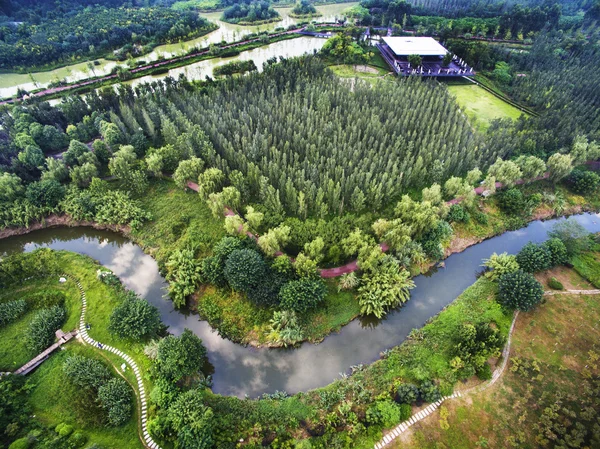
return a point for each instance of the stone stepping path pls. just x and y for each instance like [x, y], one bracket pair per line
[83, 333]
[571, 292]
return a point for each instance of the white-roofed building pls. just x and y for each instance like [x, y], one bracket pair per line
[397, 50]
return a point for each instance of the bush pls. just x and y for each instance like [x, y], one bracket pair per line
[406, 394]
[134, 318]
[582, 181]
[557, 250]
[115, 397]
[21, 443]
[500, 264]
[512, 201]
[533, 258]
[405, 412]
[86, 373]
[43, 326]
[383, 413]
[458, 214]
[244, 269]
[179, 357]
[10, 311]
[480, 217]
[555, 284]
[64, 429]
[519, 290]
[429, 392]
[484, 372]
[303, 295]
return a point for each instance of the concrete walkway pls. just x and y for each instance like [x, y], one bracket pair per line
[145, 436]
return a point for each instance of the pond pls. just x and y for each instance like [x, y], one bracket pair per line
[10, 82]
[248, 371]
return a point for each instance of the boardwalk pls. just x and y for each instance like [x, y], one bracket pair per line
[37, 361]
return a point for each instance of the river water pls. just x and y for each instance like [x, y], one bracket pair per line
[227, 32]
[248, 371]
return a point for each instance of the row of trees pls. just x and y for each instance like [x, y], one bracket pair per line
[250, 11]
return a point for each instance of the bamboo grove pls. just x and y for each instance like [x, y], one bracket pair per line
[311, 145]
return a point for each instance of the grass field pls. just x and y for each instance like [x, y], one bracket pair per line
[13, 350]
[481, 106]
[554, 355]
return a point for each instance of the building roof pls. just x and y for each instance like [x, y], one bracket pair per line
[424, 46]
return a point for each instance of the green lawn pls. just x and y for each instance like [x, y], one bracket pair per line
[56, 401]
[588, 265]
[481, 106]
[13, 350]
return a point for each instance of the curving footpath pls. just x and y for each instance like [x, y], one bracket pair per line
[403, 426]
[147, 439]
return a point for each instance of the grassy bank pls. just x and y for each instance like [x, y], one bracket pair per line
[553, 359]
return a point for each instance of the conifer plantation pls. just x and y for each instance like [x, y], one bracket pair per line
[311, 145]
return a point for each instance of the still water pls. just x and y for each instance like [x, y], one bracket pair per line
[227, 32]
[240, 370]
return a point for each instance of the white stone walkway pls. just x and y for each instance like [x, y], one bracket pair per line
[403, 426]
[148, 441]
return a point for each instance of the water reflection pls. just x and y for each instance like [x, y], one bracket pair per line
[240, 370]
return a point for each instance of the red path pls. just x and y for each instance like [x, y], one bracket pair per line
[353, 265]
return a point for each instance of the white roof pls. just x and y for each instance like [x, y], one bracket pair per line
[424, 46]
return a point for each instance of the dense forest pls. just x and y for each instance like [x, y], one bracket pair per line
[64, 35]
[314, 146]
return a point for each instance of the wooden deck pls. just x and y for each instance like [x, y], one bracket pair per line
[37, 361]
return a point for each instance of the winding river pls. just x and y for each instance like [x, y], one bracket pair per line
[243, 371]
[227, 32]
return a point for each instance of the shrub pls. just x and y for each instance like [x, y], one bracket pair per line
[484, 372]
[429, 392]
[134, 318]
[475, 344]
[480, 217]
[500, 264]
[407, 394]
[21, 443]
[582, 181]
[512, 201]
[285, 328]
[178, 357]
[64, 429]
[557, 250]
[387, 287]
[405, 412]
[533, 258]
[574, 236]
[302, 295]
[555, 284]
[115, 397]
[383, 413]
[86, 373]
[183, 274]
[43, 326]
[519, 290]
[10, 311]
[458, 214]
[244, 269]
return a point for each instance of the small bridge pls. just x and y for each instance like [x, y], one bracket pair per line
[37, 361]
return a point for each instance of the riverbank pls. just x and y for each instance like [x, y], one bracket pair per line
[180, 218]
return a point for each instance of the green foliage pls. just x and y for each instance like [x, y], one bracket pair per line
[383, 289]
[302, 295]
[134, 318]
[415, 61]
[500, 264]
[519, 290]
[572, 234]
[41, 329]
[115, 397]
[458, 214]
[406, 393]
[191, 421]
[244, 269]
[429, 392]
[559, 166]
[383, 413]
[11, 311]
[506, 172]
[558, 251]
[588, 266]
[285, 328]
[244, 13]
[533, 258]
[582, 181]
[555, 284]
[484, 372]
[475, 344]
[85, 372]
[188, 170]
[512, 201]
[47, 192]
[235, 67]
[183, 274]
[432, 240]
[180, 357]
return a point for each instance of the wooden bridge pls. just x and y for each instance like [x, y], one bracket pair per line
[37, 361]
